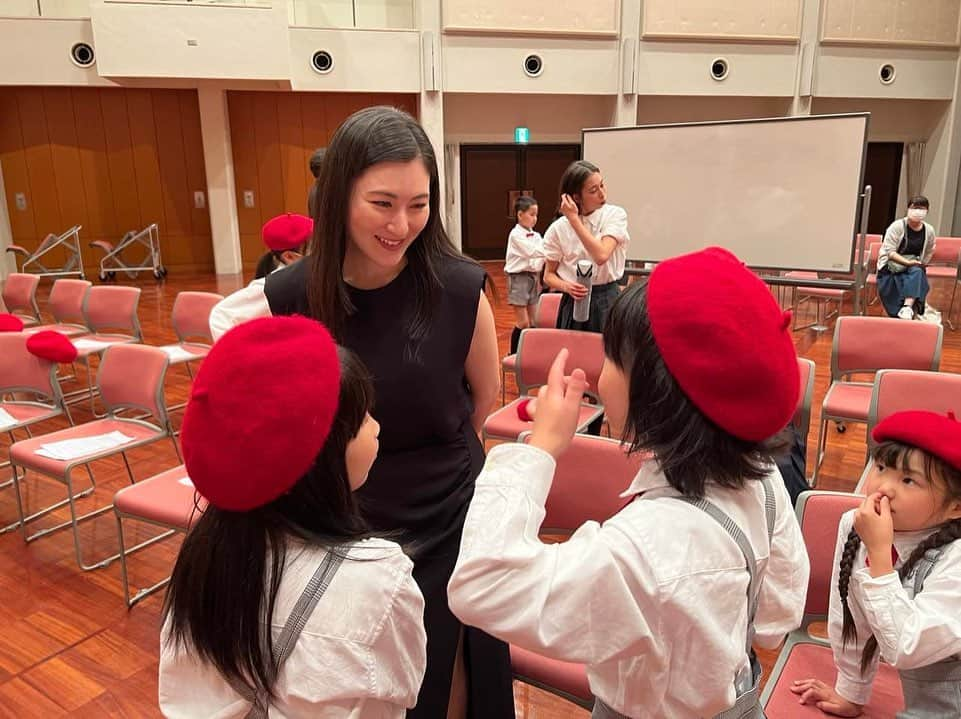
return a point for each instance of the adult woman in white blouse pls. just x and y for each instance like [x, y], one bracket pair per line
[591, 231]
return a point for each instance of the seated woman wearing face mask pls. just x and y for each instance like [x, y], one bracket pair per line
[907, 248]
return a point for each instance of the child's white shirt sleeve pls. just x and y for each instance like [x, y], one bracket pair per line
[917, 632]
[241, 306]
[524, 254]
[850, 684]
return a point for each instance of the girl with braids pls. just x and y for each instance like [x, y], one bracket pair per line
[898, 574]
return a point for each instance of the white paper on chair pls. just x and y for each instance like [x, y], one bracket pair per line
[186, 481]
[6, 420]
[176, 353]
[75, 448]
[90, 345]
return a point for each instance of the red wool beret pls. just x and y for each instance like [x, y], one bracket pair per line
[726, 342]
[53, 346]
[10, 323]
[287, 232]
[936, 434]
[260, 410]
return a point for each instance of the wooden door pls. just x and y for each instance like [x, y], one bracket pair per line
[492, 176]
[882, 171]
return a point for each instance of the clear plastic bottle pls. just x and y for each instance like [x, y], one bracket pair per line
[582, 307]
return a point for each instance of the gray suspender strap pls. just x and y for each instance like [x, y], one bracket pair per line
[924, 566]
[295, 625]
[729, 526]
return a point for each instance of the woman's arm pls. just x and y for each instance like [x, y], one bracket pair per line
[482, 365]
[555, 282]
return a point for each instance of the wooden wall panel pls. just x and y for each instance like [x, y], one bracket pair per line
[111, 160]
[273, 135]
[932, 23]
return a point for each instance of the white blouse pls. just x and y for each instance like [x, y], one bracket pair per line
[525, 250]
[361, 655]
[562, 245]
[653, 601]
[911, 633]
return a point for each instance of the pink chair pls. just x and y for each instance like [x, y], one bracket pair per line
[111, 314]
[191, 322]
[865, 345]
[20, 297]
[130, 379]
[167, 500]
[29, 394]
[588, 482]
[871, 269]
[803, 654]
[535, 353]
[946, 264]
[548, 306]
[821, 296]
[899, 390]
[66, 306]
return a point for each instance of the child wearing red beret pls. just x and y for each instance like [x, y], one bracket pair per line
[663, 601]
[897, 571]
[280, 599]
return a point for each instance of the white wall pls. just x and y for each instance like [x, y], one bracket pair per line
[364, 60]
[656, 109]
[37, 52]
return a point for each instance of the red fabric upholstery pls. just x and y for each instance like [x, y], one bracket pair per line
[847, 400]
[819, 527]
[812, 660]
[548, 307]
[551, 674]
[164, 499]
[899, 390]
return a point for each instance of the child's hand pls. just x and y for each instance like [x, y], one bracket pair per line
[873, 523]
[568, 207]
[575, 290]
[816, 692]
[558, 408]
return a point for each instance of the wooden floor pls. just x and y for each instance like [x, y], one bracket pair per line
[68, 645]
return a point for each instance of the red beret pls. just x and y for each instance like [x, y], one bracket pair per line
[260, 409]
[934, 433]
[10, 323]
[287, 232]
[725, 341]
[53, 346]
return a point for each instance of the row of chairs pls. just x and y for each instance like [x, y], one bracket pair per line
[945, 265]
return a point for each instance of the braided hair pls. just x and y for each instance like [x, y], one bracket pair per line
[896, 454]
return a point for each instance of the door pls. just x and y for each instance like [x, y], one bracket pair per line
[492, 176]
[882, 171]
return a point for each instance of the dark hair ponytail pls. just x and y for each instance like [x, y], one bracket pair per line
[945, 535]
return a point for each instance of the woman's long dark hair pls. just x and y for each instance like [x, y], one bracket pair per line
[690, 449]
[368, 137]
[573, 179]
[220, 601]
[896, 454]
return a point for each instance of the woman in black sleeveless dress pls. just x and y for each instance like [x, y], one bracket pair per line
[384, 277]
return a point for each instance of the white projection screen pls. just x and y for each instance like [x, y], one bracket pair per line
[781, 193]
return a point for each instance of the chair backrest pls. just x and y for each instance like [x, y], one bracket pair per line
[113, 307]
[870, 241]
[947, 251]
[131, 376]
[899, 390]
[66, 300]
[21, 371]
[588, 482]
[802, 415]
[538, 347]
[20, 293]
[873, 253]
[819, 514]
[548, 307]
[191, 314]
[869, 344]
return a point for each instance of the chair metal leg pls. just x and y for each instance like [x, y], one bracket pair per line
[126, 464]
[22, 520]
[75, 524]
[125, 552]
[819, 454]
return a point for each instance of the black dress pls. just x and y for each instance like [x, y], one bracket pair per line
[423, 479]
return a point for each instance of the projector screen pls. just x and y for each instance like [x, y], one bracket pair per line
[781, 193]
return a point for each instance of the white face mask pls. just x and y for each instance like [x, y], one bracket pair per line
[917, 214]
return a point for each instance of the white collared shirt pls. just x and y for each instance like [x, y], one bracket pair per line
[562, 245]
[653, 601]
[911, 633]
[361, 655]
[245, 304]
[525, 250]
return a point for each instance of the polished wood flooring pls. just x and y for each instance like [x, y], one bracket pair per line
[68, 645]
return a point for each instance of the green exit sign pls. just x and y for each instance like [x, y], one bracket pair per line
[522, 135]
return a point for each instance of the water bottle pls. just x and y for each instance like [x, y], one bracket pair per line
[582, 308]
